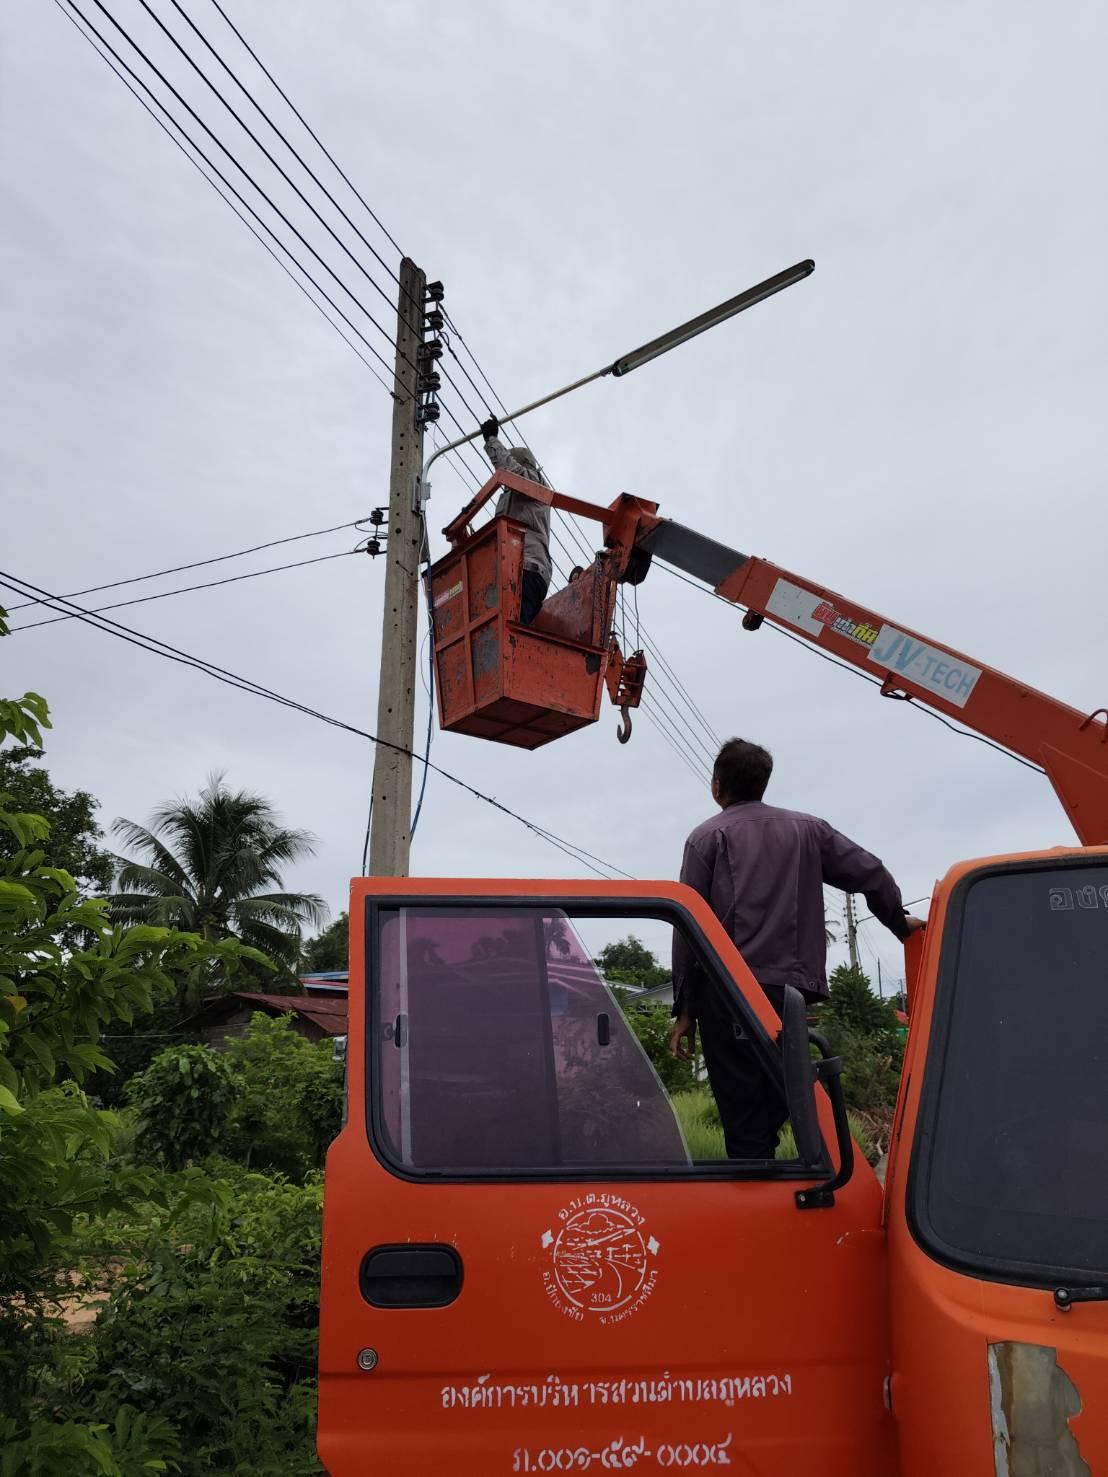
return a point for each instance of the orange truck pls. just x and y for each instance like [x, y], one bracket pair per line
[529, 1262]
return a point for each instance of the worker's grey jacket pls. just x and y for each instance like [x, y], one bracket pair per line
[534, 516]
[762, 870]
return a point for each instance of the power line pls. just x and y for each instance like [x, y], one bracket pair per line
[416, 327]
[135, 579]
[241, 168]
[199, 70]
[323, 149]
[163, 649]
[225, 198]
[231, 205]
[223, 178]
[232, 579]
[284, 139]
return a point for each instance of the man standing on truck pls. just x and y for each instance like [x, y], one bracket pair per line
[534, 516]
[762, 871]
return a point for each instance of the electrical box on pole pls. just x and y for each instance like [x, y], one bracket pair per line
[390, 828]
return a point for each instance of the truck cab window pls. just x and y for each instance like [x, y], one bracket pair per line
[1012, 1175]
[500, 1044]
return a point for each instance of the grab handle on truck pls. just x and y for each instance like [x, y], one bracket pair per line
[801, 1076]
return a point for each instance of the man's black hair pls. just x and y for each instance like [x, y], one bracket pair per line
[742, 771]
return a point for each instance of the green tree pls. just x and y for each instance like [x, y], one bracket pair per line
[213, 867]
[74, 834]
[630, 962]
[328, 950]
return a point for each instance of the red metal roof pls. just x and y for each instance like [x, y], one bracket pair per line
[329, 1014]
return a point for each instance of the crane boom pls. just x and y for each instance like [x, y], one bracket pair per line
[1071, 747]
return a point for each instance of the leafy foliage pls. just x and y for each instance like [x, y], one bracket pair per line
[328, 950]
[652, 1024]
[183, 1099]
[211, 867]
[289, 1102]
[214, 1325]
[65, 974]
[630, 962]
[863, 1030]
[74, 834]
[131, 1445]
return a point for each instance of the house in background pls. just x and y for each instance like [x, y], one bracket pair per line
[319, 1010]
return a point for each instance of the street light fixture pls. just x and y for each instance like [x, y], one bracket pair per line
[640, 356]
[733, 305]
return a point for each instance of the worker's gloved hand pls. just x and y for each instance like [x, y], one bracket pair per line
[490, 428]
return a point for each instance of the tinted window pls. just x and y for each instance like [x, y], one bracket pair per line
[497, 1044]
[1014, 1163]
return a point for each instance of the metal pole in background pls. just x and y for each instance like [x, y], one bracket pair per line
[851, 932]
[390, 832]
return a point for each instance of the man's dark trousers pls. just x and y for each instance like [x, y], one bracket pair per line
[531, 596]
[750, 1106]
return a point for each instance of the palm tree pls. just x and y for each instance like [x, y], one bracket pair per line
[210, 867]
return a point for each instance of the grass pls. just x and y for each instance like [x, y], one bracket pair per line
[699, 1119]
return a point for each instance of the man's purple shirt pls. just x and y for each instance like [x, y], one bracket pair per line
[762, 871]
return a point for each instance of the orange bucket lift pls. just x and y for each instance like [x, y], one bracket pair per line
[526, 685]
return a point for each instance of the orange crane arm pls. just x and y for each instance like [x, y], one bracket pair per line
[1071, 747]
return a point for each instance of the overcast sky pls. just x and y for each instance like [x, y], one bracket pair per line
[919, 425]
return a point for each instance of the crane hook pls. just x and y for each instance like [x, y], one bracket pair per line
[623, 732]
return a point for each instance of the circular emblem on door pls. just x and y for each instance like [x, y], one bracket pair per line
[601, 1259]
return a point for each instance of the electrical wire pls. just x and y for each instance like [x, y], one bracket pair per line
[163, 649]
[315, 136]
[232, 579]
[283, 137]
[73, 6]
[241, 168]
[107, 59]
[183, 50]
[415, 327]
[874, 681]
[155, 574]
[228, 201]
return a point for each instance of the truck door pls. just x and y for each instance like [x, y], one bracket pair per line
[536, 1257]
[998, 1188]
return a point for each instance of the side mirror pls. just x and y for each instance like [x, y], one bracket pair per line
[801, 1076]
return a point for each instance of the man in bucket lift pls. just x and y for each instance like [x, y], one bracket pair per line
[534, 516]
[761, 869]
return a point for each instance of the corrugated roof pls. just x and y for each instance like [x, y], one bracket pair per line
[329, 1014]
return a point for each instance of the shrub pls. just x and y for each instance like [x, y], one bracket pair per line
[289, 1100]
[183, 1100]
[214, 1324]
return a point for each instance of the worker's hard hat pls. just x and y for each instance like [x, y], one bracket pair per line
[522, 454]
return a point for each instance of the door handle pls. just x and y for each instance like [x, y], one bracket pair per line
[410, 1276]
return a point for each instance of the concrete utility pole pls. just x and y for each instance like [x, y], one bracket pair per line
[851, 932]
[392, 771]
